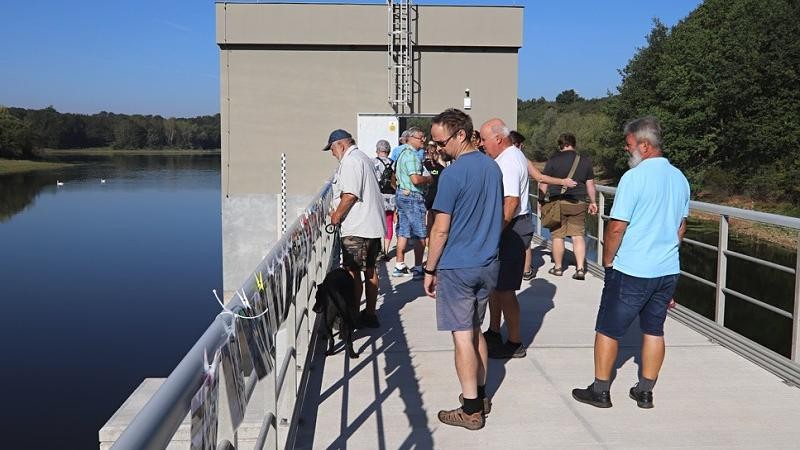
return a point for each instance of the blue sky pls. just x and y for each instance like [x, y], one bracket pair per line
[159, 56]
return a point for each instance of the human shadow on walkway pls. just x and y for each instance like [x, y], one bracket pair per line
[397, 373]
[535, 301]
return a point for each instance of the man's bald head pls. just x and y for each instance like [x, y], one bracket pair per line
[495, 137]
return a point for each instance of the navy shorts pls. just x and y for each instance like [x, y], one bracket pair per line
[411, 220]
[462, 295]
[625, 297]
[516, 238]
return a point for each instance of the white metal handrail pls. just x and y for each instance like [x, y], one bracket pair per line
[787, 368]
[300, 259]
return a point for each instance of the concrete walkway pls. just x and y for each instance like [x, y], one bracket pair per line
[706, 397]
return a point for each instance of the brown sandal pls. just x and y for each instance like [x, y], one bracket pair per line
[580, 274]
[556, 271]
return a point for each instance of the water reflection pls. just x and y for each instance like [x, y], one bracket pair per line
[19, 190]
[104, 284]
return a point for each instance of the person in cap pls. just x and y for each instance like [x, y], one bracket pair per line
[358, 209]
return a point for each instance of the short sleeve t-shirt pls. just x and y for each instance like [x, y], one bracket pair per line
[558, 166]
[408, 164]
[514, 166]
[356, 176]
[653, 198]
[471, 192]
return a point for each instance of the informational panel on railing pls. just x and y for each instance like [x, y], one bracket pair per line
[204, 408]
[264, 304]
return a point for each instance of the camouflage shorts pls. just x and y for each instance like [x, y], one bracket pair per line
[360, 253]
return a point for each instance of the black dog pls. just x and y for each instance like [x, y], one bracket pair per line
[337, 303]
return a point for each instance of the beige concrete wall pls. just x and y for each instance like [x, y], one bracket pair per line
[291, 73]
[342, 24]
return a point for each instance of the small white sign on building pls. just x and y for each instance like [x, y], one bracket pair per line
[374, 127]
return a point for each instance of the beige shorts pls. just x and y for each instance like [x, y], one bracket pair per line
[573, 220]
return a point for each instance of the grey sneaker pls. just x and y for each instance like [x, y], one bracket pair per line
[458, 418]
[398, 272]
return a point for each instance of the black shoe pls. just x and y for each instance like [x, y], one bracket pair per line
[507, 351]
[493, 339]
[588, 396]
[644, 399]
[368, 320]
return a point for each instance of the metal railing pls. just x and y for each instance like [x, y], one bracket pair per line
[295, 264]
[786, 368]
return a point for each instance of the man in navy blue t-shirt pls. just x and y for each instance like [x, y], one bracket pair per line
[462, 265]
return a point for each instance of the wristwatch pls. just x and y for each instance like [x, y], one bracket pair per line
[429, 272]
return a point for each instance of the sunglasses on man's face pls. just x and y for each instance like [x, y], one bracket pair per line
[443, 144]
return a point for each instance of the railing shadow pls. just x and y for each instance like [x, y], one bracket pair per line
[387, 345]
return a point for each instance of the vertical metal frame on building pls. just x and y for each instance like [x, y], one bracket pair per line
[399, 55]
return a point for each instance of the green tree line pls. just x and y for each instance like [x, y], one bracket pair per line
[725, 83]
[23, 131]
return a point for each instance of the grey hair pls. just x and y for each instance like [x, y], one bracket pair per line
[501, 130]
[404, 136]
[383, 146]
[413, 130]
[645, 128]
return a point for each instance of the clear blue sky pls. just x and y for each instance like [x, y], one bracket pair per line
[159, 56]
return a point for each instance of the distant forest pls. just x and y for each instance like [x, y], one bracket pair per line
[725, 83]
[24, 131]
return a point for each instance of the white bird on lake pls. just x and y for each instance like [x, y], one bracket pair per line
[102, 180]
[59, 183]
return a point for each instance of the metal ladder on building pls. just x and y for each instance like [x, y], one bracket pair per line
[400, 44]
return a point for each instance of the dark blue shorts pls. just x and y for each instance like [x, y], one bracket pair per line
[625, 297]
[461, 296]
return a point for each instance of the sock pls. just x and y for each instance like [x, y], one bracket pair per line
[472, 405]
[481, 392]
[645, 385]
[601, 385]
[400, 266]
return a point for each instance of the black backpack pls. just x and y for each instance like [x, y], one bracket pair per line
[386, 180]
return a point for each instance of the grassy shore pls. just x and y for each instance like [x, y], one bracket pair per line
[22, 165]
[108, 151]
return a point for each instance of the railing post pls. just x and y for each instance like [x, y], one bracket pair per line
[538, 213]
[601, 209]
[796, 312]
[722, 270]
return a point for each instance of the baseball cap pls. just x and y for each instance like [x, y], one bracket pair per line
[335, 136]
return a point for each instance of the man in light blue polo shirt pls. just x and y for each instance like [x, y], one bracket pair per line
[642, 264]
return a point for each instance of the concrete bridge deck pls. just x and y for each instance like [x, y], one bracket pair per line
[706, 397]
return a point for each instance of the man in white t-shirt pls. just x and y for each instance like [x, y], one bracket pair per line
[516, 237]
[359, 210]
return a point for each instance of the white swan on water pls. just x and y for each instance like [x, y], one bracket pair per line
[59, 183]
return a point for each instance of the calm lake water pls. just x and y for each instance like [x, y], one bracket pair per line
[104, 284]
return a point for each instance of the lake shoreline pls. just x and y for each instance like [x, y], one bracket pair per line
[9, 166]
[108, 151]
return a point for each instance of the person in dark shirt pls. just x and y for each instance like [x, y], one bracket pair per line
[575, 202]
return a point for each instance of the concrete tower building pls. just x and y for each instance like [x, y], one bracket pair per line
[291, 73]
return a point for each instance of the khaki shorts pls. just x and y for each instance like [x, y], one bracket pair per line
[573, 220]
